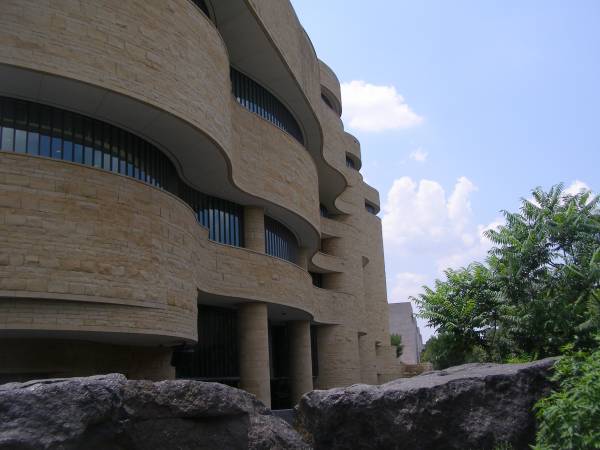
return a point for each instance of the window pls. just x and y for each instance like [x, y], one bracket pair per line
[317, 279]
[279, 241]
[323, 210]
[259, 100]
[27, 127]
[202, 5]
[350, 163]
[216, 355]
[327, 102]
[370, 208]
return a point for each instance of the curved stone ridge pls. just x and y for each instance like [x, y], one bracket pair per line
[112, 412]
[478, 406]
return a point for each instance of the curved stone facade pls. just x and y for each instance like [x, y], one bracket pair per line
[91, 259]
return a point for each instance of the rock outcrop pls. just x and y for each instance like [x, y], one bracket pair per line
[475, 406]
[111, 412]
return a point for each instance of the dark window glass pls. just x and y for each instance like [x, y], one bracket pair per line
[33, 125]
[56, 133]
[44, 145]
[323, 210]
[88, 153]
[20, 141]
[350, 163]
[317, 279]
[33, 143]
[68, 150]
[327, 102]
[259, 100]
[314, 351]
[56, 147]
[279, 241]
[202, 5]
[8, 139]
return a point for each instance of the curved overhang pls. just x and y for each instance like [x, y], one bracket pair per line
[353, 147]
[276, 312]
[199, 160]
[325, 263]
[253, 52]
[331, 86]
[371, 196]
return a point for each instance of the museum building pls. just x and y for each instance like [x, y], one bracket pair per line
[179, 199]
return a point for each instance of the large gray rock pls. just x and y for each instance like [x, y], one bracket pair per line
[111, 412]
[475, 406]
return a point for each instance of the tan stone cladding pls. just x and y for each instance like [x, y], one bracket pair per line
[114, 246]
[269, 163]
[122, 256]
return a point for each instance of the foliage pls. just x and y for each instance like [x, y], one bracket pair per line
[570, 418]
[465, 306]
[546, 262]
[539, 288]
[396, 341]
[445, 350]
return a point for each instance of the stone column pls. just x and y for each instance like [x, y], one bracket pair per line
[339, 361]
[368, 359]
[300, 359]
[253, 332]
[254, 228]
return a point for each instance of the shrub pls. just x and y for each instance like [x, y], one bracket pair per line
[570, 417]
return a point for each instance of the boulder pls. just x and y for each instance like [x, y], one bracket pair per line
[474, 406]
[111, 412]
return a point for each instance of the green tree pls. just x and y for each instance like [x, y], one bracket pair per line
[546, 265]
[396, 341]
[539, 289]
[446, 350]
[464, 308]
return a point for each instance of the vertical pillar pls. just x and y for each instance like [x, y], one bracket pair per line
[368, 359]
[339, 362]
[300, 359]
[253, 332]
[254, 228]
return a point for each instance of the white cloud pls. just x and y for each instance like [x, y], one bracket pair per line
[420, 219]
[419, 155]
[459, 203]
[576, 187]
[368, 107]
[407, 284]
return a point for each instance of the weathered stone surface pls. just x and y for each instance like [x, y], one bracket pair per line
[111, 412]
[475, 406]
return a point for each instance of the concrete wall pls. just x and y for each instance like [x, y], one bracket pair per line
[403, 322]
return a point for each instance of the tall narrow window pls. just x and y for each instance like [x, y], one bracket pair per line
[280, 241]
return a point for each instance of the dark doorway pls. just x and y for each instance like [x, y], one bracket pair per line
[216, 356]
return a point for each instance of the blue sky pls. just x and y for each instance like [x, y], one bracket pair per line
[479, 102]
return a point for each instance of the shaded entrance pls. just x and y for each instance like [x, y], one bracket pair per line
[215, 357]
